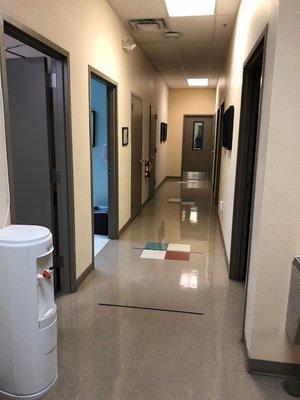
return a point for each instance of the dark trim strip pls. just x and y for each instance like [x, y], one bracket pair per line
[223, 241]
[270, 368]
[273, 368]
[169, 177]
[150, 309]
[85, 273]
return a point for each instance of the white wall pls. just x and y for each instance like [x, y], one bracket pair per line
[183, 102]
[92, 33]
[276, 222]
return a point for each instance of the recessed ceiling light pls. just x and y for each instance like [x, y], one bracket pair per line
[189, 8]
[198, 82]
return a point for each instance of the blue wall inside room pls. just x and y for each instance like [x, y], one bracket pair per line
[100, 179]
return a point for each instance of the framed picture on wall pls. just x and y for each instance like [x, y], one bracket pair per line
[93, 128]
[163, 132]
[228, 128]
[125, 134]
[198, 128]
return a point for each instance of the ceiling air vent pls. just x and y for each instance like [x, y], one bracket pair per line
[147, 25]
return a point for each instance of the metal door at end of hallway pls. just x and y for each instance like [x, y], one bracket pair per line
[197, 144]
[136, 154]
[152, 149]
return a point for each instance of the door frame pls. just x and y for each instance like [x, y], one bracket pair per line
[218, 152]
[240, 242]
[112, 154]
[156, 119]
[182, 140]
[65, 199]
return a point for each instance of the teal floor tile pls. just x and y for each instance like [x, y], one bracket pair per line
[156, 246]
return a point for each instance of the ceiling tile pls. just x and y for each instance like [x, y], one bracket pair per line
[223, 33]
[227, 6]
[193, 28]
[201, 49]
[195, 51]
[133, 9]
[150, 37]
[161, 51]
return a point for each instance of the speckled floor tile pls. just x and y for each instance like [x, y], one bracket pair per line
[109, 353]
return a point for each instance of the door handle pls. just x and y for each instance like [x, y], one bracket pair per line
[141, 161]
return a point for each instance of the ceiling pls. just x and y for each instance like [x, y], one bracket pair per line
[17, 49]
[199, 52]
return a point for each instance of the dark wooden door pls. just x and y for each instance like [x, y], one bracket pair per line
[152, 149]
[136, 154]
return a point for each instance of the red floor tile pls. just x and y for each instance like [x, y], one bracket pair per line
[177, 255]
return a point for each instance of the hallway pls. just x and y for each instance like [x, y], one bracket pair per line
[113, 353]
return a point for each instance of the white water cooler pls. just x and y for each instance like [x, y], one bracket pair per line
[28, 322]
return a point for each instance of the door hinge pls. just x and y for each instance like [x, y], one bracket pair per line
[156, 116]
[155, 150]
[52, 80]
[131, 106]
[154, 182]
[55, 176]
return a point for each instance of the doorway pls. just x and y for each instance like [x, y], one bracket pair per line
[152, 149]
[246, 162]
[136, 154]
[197, 147]
[218, 153]
[39, 144]
[104, 167]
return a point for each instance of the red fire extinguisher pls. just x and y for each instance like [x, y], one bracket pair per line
[148, 168]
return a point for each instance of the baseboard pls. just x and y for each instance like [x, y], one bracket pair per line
[145, 202]
[273, 368]
[270, 368]
[173, 177]
[160, 185]
[223, 241]
[124, 227]
[84, 274]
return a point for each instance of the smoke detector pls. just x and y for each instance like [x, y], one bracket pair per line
[172, 35]
[128, 44]
[147, 25]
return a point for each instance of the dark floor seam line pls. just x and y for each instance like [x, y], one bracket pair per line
[151, 309]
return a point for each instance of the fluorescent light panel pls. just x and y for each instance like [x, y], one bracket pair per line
[202, 82]
[190, 8]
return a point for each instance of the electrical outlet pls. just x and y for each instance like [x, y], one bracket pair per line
[221, 205]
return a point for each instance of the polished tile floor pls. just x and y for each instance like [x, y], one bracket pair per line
[111, 353]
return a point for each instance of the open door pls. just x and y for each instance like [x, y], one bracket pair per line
[33, 201]
[39, 145]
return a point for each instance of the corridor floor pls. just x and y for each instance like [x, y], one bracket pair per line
[113, 353]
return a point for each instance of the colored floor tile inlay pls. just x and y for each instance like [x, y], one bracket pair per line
[156, 246]
[166, 251]
[177, 255]
[153, 254]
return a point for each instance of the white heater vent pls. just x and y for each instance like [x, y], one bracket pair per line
[148, 25]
